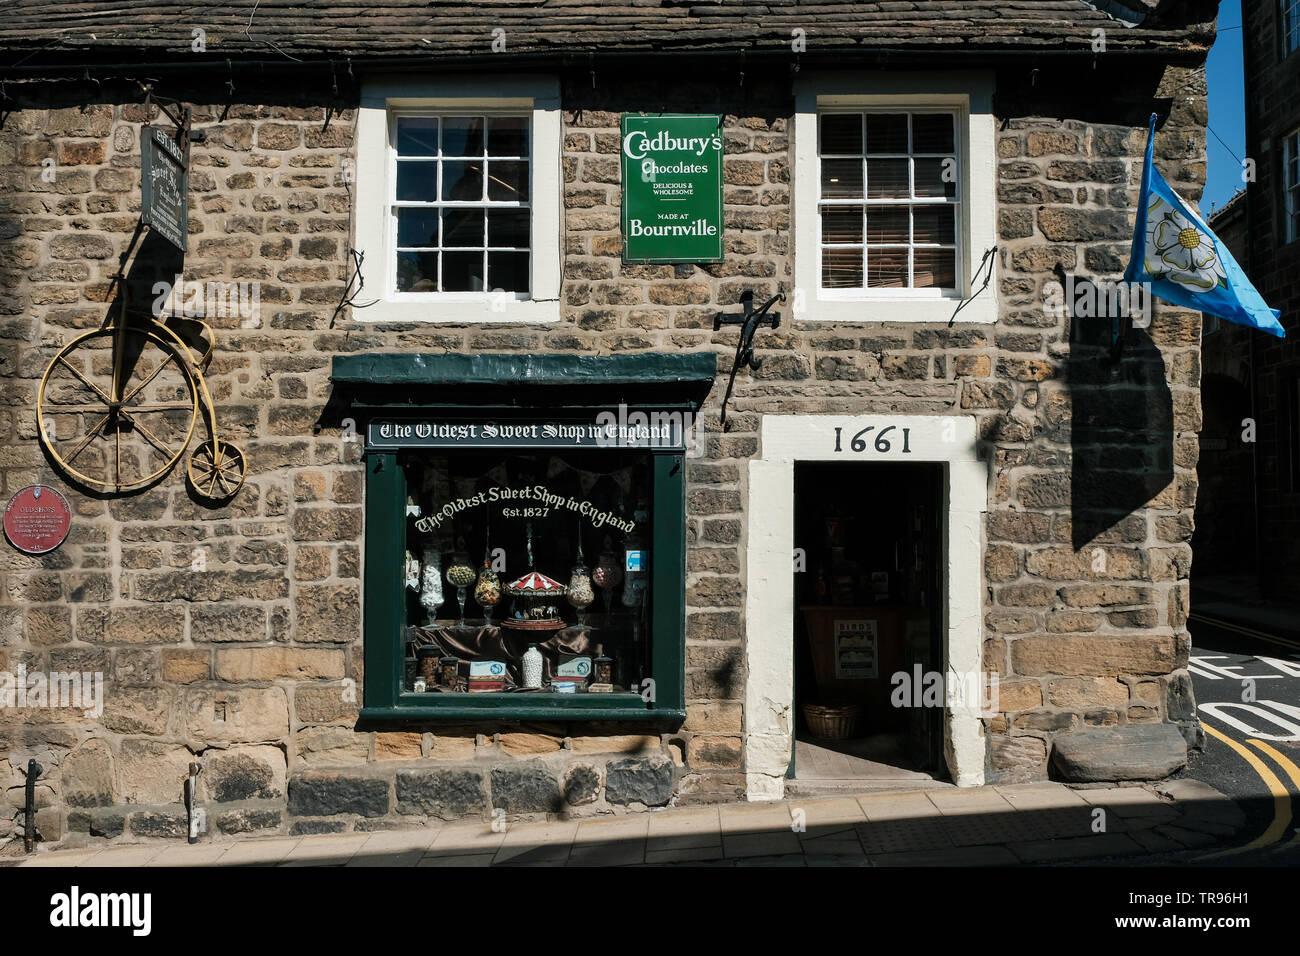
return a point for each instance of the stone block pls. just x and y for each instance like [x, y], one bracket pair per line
[643, 780]
[446, 794]
[525, 788]
[244, 773]
[1127, 752]
[320, 794]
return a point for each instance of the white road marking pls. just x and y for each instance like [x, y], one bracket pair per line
[1217, 710]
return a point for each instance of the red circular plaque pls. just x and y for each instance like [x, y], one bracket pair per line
[37, 519]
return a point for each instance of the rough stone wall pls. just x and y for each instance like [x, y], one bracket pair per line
[247, 663]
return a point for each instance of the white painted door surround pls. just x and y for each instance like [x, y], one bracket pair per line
[769, 719]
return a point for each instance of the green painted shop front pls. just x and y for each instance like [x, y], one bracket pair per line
[415, 389]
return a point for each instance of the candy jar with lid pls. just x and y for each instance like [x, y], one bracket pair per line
[460, 575]
[580, 593]
[487, 592]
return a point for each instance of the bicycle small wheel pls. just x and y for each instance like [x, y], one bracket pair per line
[216, 470]
[125, 439]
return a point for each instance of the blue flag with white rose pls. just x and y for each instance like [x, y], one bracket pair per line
[1185, 262]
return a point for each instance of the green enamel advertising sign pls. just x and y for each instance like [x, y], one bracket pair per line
[672, 188]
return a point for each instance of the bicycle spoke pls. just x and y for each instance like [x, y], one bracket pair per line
[88, 383]
[117, 436]
[161, 407]
[151, 438]
[152, 375]
[86, 441]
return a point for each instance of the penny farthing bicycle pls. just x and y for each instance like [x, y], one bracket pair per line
[117, 407]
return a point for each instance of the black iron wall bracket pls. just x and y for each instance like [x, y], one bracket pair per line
[749, 321]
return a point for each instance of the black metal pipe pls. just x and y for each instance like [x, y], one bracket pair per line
[29, 808]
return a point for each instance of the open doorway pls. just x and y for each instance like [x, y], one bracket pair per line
[869, 597]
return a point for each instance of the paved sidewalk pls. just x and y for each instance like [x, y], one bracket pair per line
[984, 826]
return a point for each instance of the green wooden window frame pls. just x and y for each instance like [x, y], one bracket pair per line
[390, 384]
[384, 612]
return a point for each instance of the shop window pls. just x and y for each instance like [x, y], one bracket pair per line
[894, 197]
[517, 581]
[562, 518]
[458, 200]
[528, 574]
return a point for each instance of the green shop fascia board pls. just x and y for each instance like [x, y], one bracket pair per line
[691, 373]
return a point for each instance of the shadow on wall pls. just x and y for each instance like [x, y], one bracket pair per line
[1121, 431]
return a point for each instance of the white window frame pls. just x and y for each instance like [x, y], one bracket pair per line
[376, 171]
[1290, 187]
[1289, 26]
[970, 96]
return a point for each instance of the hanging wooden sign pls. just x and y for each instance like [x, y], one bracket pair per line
[37, 519]
[164, 186]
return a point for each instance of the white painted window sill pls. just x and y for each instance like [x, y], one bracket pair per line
[472, 312]
[983, 310]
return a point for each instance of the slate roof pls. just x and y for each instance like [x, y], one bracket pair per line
[36, 31]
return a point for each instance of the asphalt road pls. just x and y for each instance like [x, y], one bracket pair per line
[1247, 685]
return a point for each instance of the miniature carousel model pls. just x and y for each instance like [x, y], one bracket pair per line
[536, 603]
[536, 598]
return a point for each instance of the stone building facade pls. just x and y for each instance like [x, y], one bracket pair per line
[232, 635]
[1255, 376]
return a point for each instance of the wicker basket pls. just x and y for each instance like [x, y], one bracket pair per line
[833, 721]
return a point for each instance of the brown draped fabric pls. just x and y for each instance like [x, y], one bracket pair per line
[482, 643]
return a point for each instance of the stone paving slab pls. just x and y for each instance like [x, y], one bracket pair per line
[1038, 823]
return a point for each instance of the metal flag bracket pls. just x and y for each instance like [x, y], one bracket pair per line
[749, 321]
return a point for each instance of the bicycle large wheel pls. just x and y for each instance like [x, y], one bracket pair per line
[120, 440]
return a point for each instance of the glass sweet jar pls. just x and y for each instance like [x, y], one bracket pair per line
[487, 592]
[581, 593]
[460, 575]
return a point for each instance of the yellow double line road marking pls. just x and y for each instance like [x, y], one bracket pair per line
[1291, 769]
[1281, 796]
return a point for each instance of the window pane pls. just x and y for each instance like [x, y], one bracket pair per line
[417, 272]
[934, 224]
[507, 136]
[887, 268]
[886, 132]
[887, 224]
[462, 181]
[508, 227]
[417, 227]
[841, 268]
[544, 541]
[462, 272]
[417, 181]
[934, 268]
[841, 224]
[842, 133]
[932, 133]
[462, 227]
[462, 136]
[887, 179]
[841, 179]
[929, 178]
[508, 271]
[417, 136]
[508, 182]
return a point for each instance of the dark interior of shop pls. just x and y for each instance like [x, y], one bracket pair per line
[868, 585]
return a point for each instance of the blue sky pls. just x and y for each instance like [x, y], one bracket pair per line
[1227, 110]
